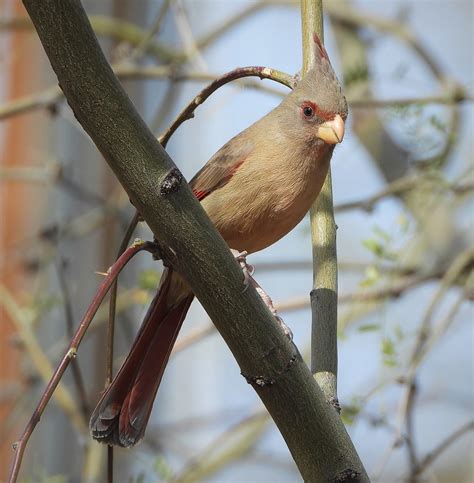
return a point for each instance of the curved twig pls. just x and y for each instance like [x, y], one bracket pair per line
[240, 72]
[445, 444]
[71, 351]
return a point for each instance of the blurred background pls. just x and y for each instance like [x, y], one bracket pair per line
[403, 189]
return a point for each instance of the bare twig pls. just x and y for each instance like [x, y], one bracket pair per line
[195, 336]
[48, 172]
[23, 325]
[397, 187]
[444, 445]
[141, 48]
[50, 97]
[186, 35]
[395, 290]
[69, 317]
[262, 72]
[46, 99]
[456, 96]
[419, 352]
[232, 444]
[111, 330]
[463, 260]
[71, 352]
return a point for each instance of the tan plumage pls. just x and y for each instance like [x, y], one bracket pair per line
[255, 189]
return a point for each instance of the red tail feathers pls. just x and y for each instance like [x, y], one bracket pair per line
[122, 413]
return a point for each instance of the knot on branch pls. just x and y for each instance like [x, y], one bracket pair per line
[259, 381]
[334, 402]
[347, 475]
[264, 381]
[172, 182]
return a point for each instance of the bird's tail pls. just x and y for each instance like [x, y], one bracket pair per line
[121, 415]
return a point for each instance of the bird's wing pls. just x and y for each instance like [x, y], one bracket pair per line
[220, 168]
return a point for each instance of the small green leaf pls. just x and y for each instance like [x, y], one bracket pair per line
[45, 304]
[139, 479]
[372, 276]
[350, 411]
[389, 352]
[162, 468]
[388, 348]
[369, 327]
[374, 246]
[399, 334]
[382, 234]
[438, 124]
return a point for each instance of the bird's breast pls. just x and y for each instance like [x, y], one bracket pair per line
[263, 201]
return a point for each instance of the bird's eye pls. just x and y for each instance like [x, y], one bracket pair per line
[308, 111]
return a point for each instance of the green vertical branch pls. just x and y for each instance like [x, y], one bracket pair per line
[323, 234]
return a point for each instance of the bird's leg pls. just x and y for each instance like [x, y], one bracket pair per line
[269, 303]
[248, 271]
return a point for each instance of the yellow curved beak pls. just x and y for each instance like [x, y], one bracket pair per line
[332, 132]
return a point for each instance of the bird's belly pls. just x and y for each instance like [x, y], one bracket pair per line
[259, 219]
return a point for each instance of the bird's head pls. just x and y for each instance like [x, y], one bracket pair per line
[318, 101]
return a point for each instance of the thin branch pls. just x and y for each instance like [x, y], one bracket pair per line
[398, 29]
[48, 172]
[42, 365]
[186, 36]
[461, 262]
[398, 187]
[443, 446]
[193, 337]
[142, 47]
[229, 446]
[46, 99]
[395, 290]
[50, 97]
[456, 96]
[208, 39]
[111, 331]
[406, 406]
[71, 351]
[188, 111]
[69, 317]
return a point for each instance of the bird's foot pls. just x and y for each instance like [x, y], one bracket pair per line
[248, 271]
[269, 303]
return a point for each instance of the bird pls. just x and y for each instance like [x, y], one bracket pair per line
[255, 189]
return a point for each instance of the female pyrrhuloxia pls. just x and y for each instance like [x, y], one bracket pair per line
[255, 189]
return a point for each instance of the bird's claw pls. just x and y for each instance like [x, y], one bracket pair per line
[286, 330]
[248, 271]
[269, 303]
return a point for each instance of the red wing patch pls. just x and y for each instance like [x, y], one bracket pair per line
[200, 194]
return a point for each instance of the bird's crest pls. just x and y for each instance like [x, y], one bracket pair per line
[319, 49]
[320, 84]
